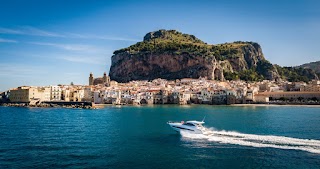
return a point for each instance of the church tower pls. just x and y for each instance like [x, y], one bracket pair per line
[91, 79]
[106, 79]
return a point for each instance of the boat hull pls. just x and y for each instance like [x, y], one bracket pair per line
[180, 127]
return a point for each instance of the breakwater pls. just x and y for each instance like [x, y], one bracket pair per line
[82, 105]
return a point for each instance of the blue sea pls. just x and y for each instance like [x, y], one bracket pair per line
[139, 137]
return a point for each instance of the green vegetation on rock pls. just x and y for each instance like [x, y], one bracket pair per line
[187, 56]
[312, 65]
[177, 43]
[294, 74]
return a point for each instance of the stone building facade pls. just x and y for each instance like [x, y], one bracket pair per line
[100, 80]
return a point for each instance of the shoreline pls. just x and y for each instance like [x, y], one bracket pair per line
[74, 105]
[80, 105]
[276, 105]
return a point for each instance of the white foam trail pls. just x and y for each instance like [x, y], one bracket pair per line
[281, 142]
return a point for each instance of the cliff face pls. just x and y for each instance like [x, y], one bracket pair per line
[173, 55]
[126, 67]
[247, 57]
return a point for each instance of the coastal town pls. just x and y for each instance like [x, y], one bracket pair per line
[184, 91]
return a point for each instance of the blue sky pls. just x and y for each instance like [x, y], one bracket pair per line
[46, 42]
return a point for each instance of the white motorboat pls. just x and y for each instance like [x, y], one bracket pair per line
[189, 126]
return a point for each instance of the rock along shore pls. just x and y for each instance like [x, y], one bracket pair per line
[90, 105]
[80, 105]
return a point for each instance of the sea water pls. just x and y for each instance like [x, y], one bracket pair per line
[138, 137]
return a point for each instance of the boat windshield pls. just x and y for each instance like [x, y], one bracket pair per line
[199, 125]
[188, 124]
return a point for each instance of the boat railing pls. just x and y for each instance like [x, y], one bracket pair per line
[176, 122]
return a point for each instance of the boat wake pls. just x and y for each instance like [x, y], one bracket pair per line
[281, 142]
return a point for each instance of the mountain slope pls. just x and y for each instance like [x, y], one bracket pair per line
[170, 54]
[312, 65]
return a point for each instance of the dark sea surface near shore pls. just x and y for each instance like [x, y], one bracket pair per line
[138, 137]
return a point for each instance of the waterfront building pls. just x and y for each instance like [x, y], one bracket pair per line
[55, 93]
[206, 96]
[20, 94]
[174, 97]
[249, 97]
[65, 94]
[88, 94]
[150, 96]
[117, 99]
[28, 93]
[231, 96]
[161, 97]
[219, 97]
[292, 95]
[161, 91]
[184, 98]
[261, 98]
[43, 93]
[98, 97]
[77, 95]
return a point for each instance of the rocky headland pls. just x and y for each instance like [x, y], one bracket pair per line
[170, 54]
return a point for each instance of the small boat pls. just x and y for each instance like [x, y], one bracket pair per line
[189, 126]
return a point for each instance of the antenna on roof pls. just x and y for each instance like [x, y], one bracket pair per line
[203, 118]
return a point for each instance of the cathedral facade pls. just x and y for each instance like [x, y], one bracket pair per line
[100, 80]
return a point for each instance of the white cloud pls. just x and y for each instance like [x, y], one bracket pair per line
[72, 74]
[32, 31]
[82, 36]
[85, 59]
[118, 39]
[69, 47]
[19, 70]
[98, 58]
[39, 32]
[29, 30]
[10, 31]
[7, 41]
